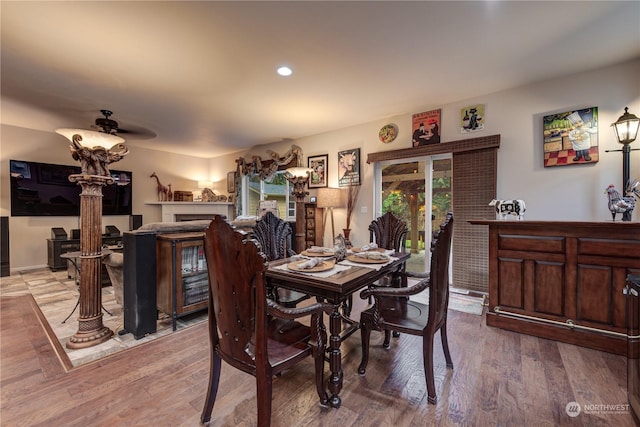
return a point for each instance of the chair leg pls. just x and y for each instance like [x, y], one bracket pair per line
[427, 354]
[365, 333]
[214, 380]
[445, 344]
[264, 395]
[387, 338]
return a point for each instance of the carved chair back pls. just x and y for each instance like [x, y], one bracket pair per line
[274, 236]
[389, 232]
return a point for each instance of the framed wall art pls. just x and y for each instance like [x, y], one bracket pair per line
[231, 182]
[319, 166]
[425, 128]
[472, 118]
[571, 137]
[349, 167]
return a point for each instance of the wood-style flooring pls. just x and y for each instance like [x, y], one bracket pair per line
[500, 378]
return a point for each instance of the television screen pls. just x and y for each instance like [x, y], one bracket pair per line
[42, 189]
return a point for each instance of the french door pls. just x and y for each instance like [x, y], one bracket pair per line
[417, 190]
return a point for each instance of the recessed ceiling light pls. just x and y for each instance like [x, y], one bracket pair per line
[285, 71]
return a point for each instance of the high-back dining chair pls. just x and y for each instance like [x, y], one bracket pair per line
[246, 329]
[389, 232]
[393, 310]
[274, 236]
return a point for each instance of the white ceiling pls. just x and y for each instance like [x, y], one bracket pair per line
[200, 76]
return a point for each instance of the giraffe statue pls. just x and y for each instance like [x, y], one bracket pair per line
[169, 194]
[162, 189]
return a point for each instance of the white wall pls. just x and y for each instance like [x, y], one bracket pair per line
[558, 193]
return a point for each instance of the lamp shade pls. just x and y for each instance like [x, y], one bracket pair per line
[626, 127]
[205, 184]
[330, 197]
[90, 138]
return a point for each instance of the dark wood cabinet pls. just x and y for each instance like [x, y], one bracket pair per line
[314, 230]
[633, 349]
[182, 282]
[562, 280]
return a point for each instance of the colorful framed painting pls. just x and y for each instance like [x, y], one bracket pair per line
[349, 167]
[425, 128]
[319, 166]
[571, 137]
[472, 118]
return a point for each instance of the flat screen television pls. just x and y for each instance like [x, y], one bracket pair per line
[43, 189]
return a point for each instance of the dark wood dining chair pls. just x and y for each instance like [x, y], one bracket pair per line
[393, 310]
[389, 232]
[274, 236]
[249, 331]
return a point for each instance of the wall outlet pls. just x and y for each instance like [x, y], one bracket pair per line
[364, 209]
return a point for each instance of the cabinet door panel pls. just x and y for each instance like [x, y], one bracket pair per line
[510, 282]
[548, 287]
[594, 287]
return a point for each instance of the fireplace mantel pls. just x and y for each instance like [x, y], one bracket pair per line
[177, 211]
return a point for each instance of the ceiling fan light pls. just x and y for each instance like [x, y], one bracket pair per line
[90, 138]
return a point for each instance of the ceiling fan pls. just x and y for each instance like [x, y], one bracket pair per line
[107, 125]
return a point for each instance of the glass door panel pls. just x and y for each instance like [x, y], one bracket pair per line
[406, 188]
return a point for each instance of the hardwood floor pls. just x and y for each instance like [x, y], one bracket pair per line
[499, 378]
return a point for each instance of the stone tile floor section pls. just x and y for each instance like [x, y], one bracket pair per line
[56, 294]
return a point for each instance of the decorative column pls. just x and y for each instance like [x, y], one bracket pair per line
[89, 148]
[299, 177]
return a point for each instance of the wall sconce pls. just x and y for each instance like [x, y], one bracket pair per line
[330, 198]
[626, 129]
[94, 150]
[298, 177]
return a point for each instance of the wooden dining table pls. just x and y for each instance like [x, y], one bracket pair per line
[335, 289]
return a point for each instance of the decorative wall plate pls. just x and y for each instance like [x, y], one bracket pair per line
[388, 133]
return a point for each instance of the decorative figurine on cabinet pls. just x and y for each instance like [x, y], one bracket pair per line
[506, 208]
[619, 203]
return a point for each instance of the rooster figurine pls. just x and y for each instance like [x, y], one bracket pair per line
[619, 204]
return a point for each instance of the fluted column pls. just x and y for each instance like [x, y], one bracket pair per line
[91, 330]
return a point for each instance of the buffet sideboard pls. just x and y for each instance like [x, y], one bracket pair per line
[562, 280]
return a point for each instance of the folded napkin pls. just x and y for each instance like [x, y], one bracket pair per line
[372, 255]
[369, 247]
[319, 250]
[310, 263]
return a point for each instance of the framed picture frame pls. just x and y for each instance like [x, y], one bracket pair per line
[319, 166]
[472, 118]
[570, 137]
[349, 167]
[231, 182]
[425, 128]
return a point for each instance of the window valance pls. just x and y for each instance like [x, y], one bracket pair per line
[266, 168]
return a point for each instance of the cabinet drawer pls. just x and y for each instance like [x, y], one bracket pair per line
[609, 247]
[311, 213]
[531, 243]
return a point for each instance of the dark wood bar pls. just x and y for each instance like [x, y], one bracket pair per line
[562, 280]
